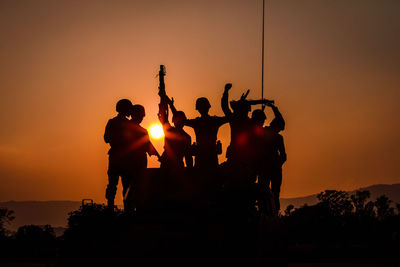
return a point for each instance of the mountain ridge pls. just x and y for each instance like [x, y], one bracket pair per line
[392, 191]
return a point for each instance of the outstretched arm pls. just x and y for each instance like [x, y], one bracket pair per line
[151, 150]
[261, 101]
[224, 100]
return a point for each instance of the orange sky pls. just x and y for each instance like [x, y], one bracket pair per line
[331, 66]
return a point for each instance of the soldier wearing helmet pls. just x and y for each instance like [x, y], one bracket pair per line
[272, 156]
[206, 130]
[177, 143]
[138, 146]
[240, 150]
[116, 135]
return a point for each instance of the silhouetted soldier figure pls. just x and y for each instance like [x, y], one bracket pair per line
[177, 143]
[139, 145]
[206, 130]
[242, 154]
[116, 135]
[272, 152]
[240, 123]
[240, 191]
[279, 158]
[240, 150]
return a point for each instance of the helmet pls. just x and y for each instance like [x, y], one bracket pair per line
[138, 111]
[202, 102]
[179, 116]
[124, 106]
[258, 115]
[240, 106]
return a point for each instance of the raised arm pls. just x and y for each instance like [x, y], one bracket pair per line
[224, 100]
[171, 104]
[278, 115]
[278, 120]
[170, 101]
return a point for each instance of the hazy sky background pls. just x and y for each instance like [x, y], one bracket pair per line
[332, 66]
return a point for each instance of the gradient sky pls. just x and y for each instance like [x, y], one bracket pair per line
[332, 66]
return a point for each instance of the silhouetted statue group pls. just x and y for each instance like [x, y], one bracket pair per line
[254, 157]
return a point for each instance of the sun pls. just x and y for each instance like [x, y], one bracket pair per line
[156, 131]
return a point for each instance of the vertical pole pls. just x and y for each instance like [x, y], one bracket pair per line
[262, 56]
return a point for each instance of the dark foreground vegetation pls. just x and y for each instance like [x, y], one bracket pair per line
[339, 229]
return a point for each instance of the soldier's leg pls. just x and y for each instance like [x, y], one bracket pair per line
[264, 177]
[127, 191]
[276, 183]
[265, 200]
[111, 189]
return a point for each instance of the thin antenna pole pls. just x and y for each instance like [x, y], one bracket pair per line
[262, 56]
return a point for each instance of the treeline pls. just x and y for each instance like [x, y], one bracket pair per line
[26, 233]
[340, 203]
[29, 244]
[343, 227]
[339, 228]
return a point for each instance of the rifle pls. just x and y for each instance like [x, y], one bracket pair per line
[247, 102]
[161, 87]
[163, 106]
[255, 102]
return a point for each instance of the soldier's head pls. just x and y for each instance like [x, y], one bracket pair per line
[124, 107]
[277, 125]
[137, 113]
[241, 107]
[203, 105]
[179, 119]
[258, 116]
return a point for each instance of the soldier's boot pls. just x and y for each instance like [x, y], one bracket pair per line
[110, 196]
[128, 206]
[110, 204]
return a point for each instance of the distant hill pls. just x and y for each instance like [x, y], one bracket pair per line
[391, 191]
[55, 213]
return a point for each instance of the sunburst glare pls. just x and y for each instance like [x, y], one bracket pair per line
[156, 131]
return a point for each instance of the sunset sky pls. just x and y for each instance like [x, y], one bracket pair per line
[332, 66]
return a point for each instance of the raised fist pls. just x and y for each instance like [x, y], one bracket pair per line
[228, 86]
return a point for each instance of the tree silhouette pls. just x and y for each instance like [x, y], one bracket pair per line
[6, 216]
[383, 208]
[369, 209]
[359, 199]
[338, 202]
[289, 210]
[35, 234]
